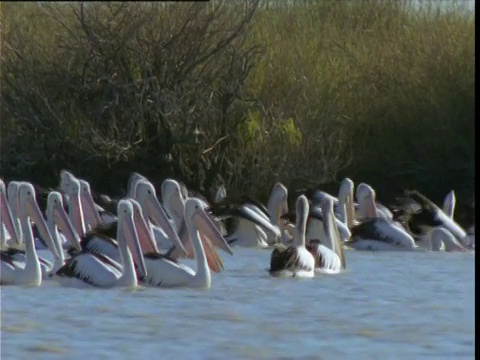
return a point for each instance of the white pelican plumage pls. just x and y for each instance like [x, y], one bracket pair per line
[449, 204]
[87, 269]
[57, 219]
[163, 271]
[363, 191]
[343, 205]
[421, 214]
[174, 202]
[248, 222]
[7, 219]
[30, 273]
[17, 252]
[92, 217]
[442, 240]
[378, 233]
[294, 260]
[162, 229]
[102, 240]
[328, 251]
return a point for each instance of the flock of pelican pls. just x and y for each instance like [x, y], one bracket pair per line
[140, 240]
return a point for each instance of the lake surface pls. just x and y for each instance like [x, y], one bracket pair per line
[388, 305]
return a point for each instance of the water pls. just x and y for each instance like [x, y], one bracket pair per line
[389, 305]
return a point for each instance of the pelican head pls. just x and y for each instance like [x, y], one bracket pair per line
[27, 199]
[6, 215]
[58, 218]
[366, 199]
[66, 178]
[147, 243]
[75, 204]
[345, 194]
[92, 216]
[364, 191]
[12, 194]
[127, 232]
[132, 182]
[173, 199]
[302, 208]
[197, 215]
[278, 203]
[147, 197]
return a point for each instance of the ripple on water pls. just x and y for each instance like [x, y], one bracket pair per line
[47, 348]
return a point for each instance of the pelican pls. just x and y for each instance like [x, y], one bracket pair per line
[92, 217]
[17, 252]
[220, 195]
[86, 269]
[329, 255]
[440, 239]
[343, 205]
[31, 272]
[363, 191]
[101, 240]
[315, 218]
[166, 272]
[378, 233]
[174, 201]
[421, 214]
[449, 204]
[70, 185]
[57, 220]
[146, 196]
[248, 221]
[7, 219]
[294, 260]
[12, 192]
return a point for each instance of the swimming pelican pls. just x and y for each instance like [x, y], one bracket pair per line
[426, 214]
[57, 219]
[343, 205]
[174, 203]
[363, 191]
[92, 217]
[440, 239]
[328, 252]
[378, 233]
[31, 272]
[162, 229]
[70, 185]
[166, 272]
[449, 204]
[17, 252]
[7, 219]
[248, 221]
[294, 260]
[87, 269]
[315, 218]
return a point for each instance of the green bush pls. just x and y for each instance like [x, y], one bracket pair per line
[240, 93]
